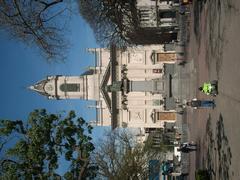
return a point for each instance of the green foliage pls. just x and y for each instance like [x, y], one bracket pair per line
[40, 143]
[202, 175]
[159, 141]
[120, 156]
[111, 21]
[68, 175]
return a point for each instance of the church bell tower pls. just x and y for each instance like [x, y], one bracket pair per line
[69, 87]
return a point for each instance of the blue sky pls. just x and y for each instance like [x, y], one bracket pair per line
[22, 66]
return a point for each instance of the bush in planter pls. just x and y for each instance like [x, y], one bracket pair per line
[202, 175]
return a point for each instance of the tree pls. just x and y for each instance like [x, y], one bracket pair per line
[160, 140]
[35, 22]
[112, 21]
[41, 141]
[119, 22]
[120, 156]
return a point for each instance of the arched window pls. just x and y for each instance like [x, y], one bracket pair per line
[70, 87]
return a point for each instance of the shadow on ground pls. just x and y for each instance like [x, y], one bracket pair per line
[218, 17]
[215, 34]
[219, 156]
[197, 9]
[219, 14]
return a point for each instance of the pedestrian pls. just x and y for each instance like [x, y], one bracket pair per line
[182, 63]
[195, 103]
[189, 145]
[186, 149]
[206, 88]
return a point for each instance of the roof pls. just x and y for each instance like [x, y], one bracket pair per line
[39, 87]
[111, 101]
[103, 84]
[88, 72]
[114, 112]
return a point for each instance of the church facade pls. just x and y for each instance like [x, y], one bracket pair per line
[131, 87]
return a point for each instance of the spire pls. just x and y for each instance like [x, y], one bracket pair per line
[39, 87]
[30, 87]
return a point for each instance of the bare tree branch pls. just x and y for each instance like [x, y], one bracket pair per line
[37, 22]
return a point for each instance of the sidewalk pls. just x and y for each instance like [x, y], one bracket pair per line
[196, 51]
[185, 82]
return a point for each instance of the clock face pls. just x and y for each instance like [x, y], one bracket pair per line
[136, 115]
[49, 87]
[136, 57]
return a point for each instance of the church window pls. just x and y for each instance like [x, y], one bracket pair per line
[71, 87]
[157, 70]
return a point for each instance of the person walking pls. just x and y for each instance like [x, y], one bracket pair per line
[206, 88]
[195, 103]
[186, 149]
[190, 145]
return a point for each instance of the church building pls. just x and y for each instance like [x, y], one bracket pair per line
[131, 87]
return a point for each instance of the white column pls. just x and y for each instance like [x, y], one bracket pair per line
[147, 98]
[129, 106]
[144, 67]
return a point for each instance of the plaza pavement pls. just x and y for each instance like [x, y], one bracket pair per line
[213, 53]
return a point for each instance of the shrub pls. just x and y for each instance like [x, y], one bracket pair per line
[202, 175]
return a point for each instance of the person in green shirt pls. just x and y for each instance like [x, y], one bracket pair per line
[206, 88]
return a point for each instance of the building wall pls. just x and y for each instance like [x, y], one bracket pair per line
[136, 109]
[156, 13]
[142, 105]
[140, 65]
